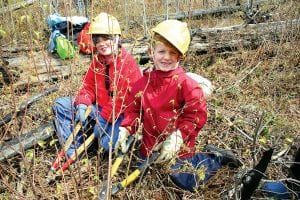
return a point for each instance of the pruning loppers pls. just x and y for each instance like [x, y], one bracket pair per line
[115, 167]
[129, 179]
[57, 168]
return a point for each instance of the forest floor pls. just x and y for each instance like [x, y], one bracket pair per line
[254, 107]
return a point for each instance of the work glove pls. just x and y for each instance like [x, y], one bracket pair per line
[80, 113]
[170, 146]
[122, 138]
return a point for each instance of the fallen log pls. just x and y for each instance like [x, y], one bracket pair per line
[259, 28]
[16, 6]
[25, 141]
[198, 13]
[246, 36]
[49, 77]
[19, 49]
[223, 39]
[204, 40]
[24, 105]
[38, 67]
[204, 36]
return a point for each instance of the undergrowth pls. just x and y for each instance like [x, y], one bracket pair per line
[250, 84]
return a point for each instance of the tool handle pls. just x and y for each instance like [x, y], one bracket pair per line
[132, 177]
[82, 147]
[120, 157]
[72, 159]
[76, 130]
[116, 165]
[56, 162]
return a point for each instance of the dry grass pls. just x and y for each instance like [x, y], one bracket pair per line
[247, 84]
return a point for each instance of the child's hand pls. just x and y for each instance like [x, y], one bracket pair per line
[170, 146]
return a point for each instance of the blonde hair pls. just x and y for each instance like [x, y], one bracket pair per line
[158, 39]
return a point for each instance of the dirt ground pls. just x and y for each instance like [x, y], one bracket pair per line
[254, 106]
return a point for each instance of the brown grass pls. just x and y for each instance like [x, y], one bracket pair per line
[238, 102]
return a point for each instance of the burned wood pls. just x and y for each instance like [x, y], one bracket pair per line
[5, 75]
[294, 172]
[16, 6]
[248, 182]
[26, 104]
[25, 141]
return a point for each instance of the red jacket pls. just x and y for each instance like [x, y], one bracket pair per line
[94, 90]
[169, 101]
[84, 40]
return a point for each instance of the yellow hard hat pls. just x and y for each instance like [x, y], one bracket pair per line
[105, 24]
[175, 32]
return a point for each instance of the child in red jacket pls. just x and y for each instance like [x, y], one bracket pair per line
[105, 87]
[172, 108]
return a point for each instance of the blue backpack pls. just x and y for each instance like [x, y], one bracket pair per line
[69, 27]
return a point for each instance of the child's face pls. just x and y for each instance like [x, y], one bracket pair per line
[165, 57]
[106, 45]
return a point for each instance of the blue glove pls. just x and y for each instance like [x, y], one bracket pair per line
[80, 113]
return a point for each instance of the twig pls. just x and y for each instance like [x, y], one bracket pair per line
[238, 129]
[164, 188]
[26, 104]
[20, 183]
[240, 80]
[145, 19]
[256, 134]
[250, 72]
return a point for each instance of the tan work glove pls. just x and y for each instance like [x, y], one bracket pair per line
[121, 142]
[170, 146]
